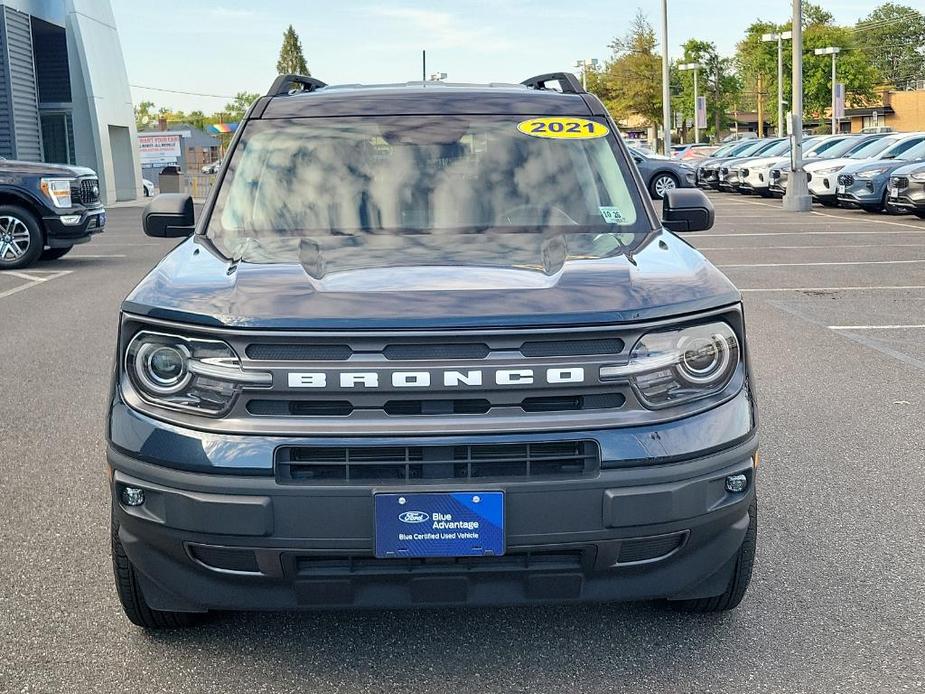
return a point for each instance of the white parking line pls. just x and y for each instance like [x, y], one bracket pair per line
[898, 287]
[32, 280]
[845, 262]
[82, 255]
[874, 220]
[802, 233]
[799, 248]
[875, 327]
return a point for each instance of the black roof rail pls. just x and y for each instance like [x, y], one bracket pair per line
[568, 83]
[282, 85]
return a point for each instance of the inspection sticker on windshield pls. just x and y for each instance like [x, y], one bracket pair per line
[562, 127]
[612, 215]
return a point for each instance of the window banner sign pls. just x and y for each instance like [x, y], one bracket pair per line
[158, 149]
[839, 100]
[700, 115]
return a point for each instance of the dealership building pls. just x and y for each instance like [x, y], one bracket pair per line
[64, 93]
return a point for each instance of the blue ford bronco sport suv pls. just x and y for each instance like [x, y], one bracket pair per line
[430, 345]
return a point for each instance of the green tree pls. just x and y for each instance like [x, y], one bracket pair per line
[716, 81]
[291, 60]
[234, 110]
[630, 82]
[145, 115]
[755, 58]
[891, 38]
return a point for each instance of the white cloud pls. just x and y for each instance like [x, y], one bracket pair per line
[444, 29]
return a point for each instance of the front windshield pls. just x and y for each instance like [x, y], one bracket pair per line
[915, 150]
[836, 148]
[781, 147]
[308, 181]
[872, 149]
[749, 149]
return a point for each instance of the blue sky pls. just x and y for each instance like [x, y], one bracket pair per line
[225, 46]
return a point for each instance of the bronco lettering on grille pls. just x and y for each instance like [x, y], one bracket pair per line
[440, 378]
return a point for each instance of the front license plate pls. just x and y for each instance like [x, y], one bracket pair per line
[443, 524]
[841, 189]
[894, 192]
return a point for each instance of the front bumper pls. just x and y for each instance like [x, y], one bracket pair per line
[862, 192]
[909, 194]
[92, 220]
[204, 541]
[823, 186]
[757, 181]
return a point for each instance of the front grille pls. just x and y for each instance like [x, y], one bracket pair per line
[899, 182]
[845, 179]
[298, 352]
[433, 406]
[380, 464]
[515, 561]
[86, 191]
[774, 175]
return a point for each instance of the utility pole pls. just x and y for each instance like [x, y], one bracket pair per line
[424, 66]
[666, 90]
[780, 38]
[833, 51]
[760, 108]
[696, 68]
[797, 198]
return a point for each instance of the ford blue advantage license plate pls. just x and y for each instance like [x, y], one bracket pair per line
[444, 524]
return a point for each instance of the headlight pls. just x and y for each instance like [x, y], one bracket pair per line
[58, 190]
[920, 176]
[672, 367]
[180, 373]
[829, 171]
[870, 173]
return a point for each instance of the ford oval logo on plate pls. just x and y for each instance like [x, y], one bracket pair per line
[413, 517]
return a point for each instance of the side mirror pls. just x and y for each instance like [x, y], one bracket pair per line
[687, 209]
[169, 215]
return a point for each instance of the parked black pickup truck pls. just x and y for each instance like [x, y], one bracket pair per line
[45, 209]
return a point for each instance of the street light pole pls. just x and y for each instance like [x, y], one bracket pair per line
[584, 65]
[696, 68]
[666, 91]
[833, 51]
[780, 37]
[797, 198]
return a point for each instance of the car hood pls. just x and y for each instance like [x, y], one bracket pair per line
[35, 168]
[887, 165]
[908, 169]
[542, 283]
[819, 164]
[759, 162]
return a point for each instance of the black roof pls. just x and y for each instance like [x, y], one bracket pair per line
[426, 98]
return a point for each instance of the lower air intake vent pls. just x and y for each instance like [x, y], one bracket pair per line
[371, 464]
[649, 548]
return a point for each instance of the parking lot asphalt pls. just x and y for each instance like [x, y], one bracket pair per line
[835, 304]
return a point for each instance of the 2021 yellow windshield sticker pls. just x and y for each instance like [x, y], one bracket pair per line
[563, 128]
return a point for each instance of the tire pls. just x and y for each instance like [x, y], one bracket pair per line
[741, 575]
[872, 209]
[828, 203]
[661, 184]
[55, 253]
[21, 239]
[920, 214]
[133, 602]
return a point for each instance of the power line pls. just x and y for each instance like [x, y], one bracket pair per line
[178, 91]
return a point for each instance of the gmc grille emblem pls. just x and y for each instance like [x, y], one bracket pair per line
[439, 378]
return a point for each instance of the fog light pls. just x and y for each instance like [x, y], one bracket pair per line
[70, 219]
[133, 496]
[734, 483]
